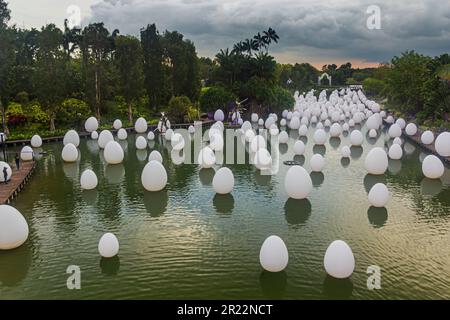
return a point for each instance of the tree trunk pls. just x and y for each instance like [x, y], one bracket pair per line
[5, 127]
[52, 123]
[97, 94]
[130, 113]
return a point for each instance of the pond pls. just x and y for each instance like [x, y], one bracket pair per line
[187, 243]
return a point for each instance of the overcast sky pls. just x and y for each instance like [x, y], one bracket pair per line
[317, 31]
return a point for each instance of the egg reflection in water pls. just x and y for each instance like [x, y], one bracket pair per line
[377, 216]
[156, 202]
[273, 284]
[223, 203]
[297, 212]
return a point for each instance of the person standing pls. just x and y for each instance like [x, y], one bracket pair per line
[17, 161]
[5, 174]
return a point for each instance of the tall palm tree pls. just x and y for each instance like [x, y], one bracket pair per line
[260, 40]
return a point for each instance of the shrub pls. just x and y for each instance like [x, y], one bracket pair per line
[72, 111]
[178, 109]
[374, 86]
[15, 115]
[215, 98]
[282, 99]
[35, 114]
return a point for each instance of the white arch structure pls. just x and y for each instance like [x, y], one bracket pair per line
[324, 75]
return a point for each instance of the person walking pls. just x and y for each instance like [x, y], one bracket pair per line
[17, 161]
[5, 174]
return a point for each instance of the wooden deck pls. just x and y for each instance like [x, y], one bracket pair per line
[18, 180]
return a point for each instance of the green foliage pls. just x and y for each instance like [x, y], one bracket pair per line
[282, 99]
[192, 114]
[35, 114]
[374, 86]
[215, 98]
[72, 111]
[178, 109]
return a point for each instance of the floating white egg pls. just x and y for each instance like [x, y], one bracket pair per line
[94, 135]
[335, 130]
[249, 135]
[356, 138]
[191, 129]
[432, 167]
[294, 124]
[113, 153]
[117, 124]
[141, 143]
[168, 134]
[373, 122]
[298, 183]
[257, 143]
[351, 123]
[372, 133]
[13, 228]
[105, 137]
[69, 153]
[26, 154]
[345, 152]
[317, 163]
[398, 141]
[140, 126]
[155, 155]
[206, 158]
[274, 130]
[299, 148]
[411, 129]
[216, 142]
[273, 256]
[442, 144]
[339, 261]
[154, 176]
[72, 137]
[390, 119]
[320, 137]
[223, 181]
[261, 122]
[283, 137]
[262, 159]
[255, 117]
[122, 134]
[283, 122]
[108, 246]
[303, 130]
[219, 115]
[36, 141]
[91, 124]
[379, 195]
[401, 122]
[151, 136]
[177, 142]
[345, 127]
[376, 162]
[8, 171]
[395, 131]
[319, 126]
[88, 180]
[395, 152]
[427, 137]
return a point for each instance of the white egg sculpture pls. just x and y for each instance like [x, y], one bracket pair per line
[395, 152]
[398, 141]
[223, 181]
[373, 122]
[191, 129]
[122, 134]
[335, 130]
[432, 167]
[113, 153]
[155, 155]
[317, 163]
[299, 148]
[345, 152]
[36, 141]
[117, 124]
[26, 154]
[154, 176]
[303, 130]
[105, 137]
[72, 137]
[320, 137]
[260, 122]
[401, 122]
[140, 126]
[257, 143]
[283, 122]
[372, 133]
[298, 183]
[69, 153]
[273, 256]
[262, 159]
[219, 115]
[427, 137]
[442, 144]
[206, 158]
[294, 124]
[216, 142]
[88, 180]
[108, 246]
[376, 162]
[141, 143]
[255, 117]
[345, 127]
[13, 228]
[411, 129]
[356, 138]
[94, 135]
[91, 124]
[168, 134]
[151, 136]
[379, 195]
[249, 135]
[177, 142]
[8, 171]
[339, 261]
[395, 131]
[283, 137]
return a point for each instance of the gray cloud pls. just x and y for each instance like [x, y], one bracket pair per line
[315, 31]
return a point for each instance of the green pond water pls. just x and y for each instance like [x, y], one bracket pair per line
[188, 243]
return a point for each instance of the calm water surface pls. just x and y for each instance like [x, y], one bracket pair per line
[188, 243]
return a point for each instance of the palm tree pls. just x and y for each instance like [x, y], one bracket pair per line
[238, 48]
[260, 40]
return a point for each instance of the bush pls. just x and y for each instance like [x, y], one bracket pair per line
[374, 86]
[178, 109]
[215, 98]
[15, 115]
[35, 114]
[282, 99]
[72, 111]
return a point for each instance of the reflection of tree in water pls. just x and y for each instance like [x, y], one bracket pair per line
[273, 284]
[14, 265]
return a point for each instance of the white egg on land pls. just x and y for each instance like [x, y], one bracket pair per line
[395, 131]
[223, 181]
[257, 143]
[91, 124]
[140, 126]
[273, 256]
[122, 134]
[117, 124]
[36, 141]
[339, 261]
[303, 130]
[155, 155]
[219, 115]
[376, 161]
[299, 148]
[411, 129]
[442, 144]
[13, 228]
[206, 158]
[177, 142]
[216, 142]
[168, 134]
[317, 163]
[335, 130]
[108, 246]
[105, 137]
[26, 154]
[113, 153]
[320, 137]
[141, 143]
[69, 153]
[298, 183]
[432, 167]
[262, 159]
[379, 195]
[427, 137]
[151, 136]
[356, 138]
[72, 137]
[88, 180]
[345, 152]
[283, 137]
[398, 141]
[94, 135]
[154, 176]
[373, 133]
[283, 122]
[260, 122]
[401, 122]
[255, 117]
[191, 129]
[395, 152]
[8, 171]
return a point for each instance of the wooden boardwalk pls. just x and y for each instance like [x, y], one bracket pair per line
[18, 180]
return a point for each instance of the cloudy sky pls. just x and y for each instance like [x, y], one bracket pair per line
[317, 31]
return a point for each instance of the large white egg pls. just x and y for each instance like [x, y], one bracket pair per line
[283, 122]
[216, 142]
[151, 136]
[339, 261]
[141, 143]
[249, 135]
[168, 134]
[223, 181]
[320, 137]
[427, 137]
[345, 127]
[177, 142]
[283, 137]
[219, 115]
[401, 122]
[72, 137]
[273, 256]
[317, 163]
[255, 117]
[26, 154]
[113, 153]
[257, 143]
[294, 124]
[373, 122]
[432, 167]
[94, 135]
[108, 246]
[345, 152]
[191, 129]
[122, 134]
[88, 180]
[155, 155]
[298, 183]
[8, 171]
[13, 228]
[299, 148]
[91, 124]
[105, 137]
[36, 141]
[303, 130]
[69, 153]
[376, 162]
[395, 131]
[411, 129]
[395, 152]
[261, 122]
[141, 125]
[356, 138]
[379, 195]
[154, 176]
[335, 130]
[442, 144]
[262, 159]
[117, 124]
[206, 158]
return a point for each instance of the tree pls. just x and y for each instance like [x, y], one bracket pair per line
[71, 39]
[128, 58]
[178, 108]
[216, 97]
[5, 14]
